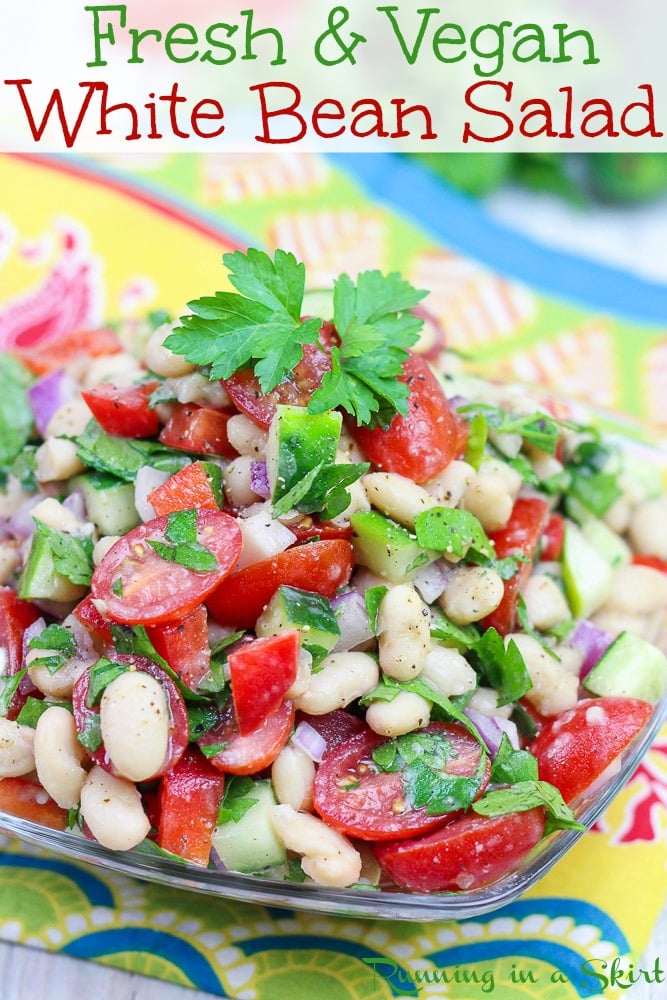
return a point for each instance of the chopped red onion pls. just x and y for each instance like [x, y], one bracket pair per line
[431, 580]
[21, 524]
[592, 642]
[491, 729]
[259, 480]
[48, 394]
[32, 630]
[76, 505]
[217, 861]
[147, 480]
[310, 741]
[352, 617]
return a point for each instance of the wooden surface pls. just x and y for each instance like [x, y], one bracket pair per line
[28, 974]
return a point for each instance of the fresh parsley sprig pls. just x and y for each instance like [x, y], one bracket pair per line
[260, 326]
[182, 546]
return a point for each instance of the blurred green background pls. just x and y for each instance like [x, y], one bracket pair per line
[607, 178]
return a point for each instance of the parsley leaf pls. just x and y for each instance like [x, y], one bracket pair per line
[422, 759]
[34, 708]
[453, 531]
[100, 675]
[502, 666]
[478, 432]
[60, 644]
[72, 556]
[202, 717]
[181, 533]
[374, 597]
[9, 685]
[237, 799]
[375, 327]
[16, 417]
[537, 429]
[592, 482]
[321, 490]
[259, 325]
[510, 765]
[526, 795]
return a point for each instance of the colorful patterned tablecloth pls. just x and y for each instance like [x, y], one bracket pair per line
[81, 242]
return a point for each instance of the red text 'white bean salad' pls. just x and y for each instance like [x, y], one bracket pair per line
[277, 597]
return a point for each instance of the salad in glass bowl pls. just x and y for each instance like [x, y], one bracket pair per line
[280, 599]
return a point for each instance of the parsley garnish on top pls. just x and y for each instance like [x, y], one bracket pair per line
[183, 547]
[260, 326]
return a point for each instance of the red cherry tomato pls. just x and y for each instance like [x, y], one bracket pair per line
[187, 489]
[425, 441]
[351, 794]
[577, 746]
[43, 358]
[321, 567]
[123, 410]
[85, 715]
[653, 562]
[552, 538]
[89, 616]
[309, 528]
[201, 429]
[467, 853]
[189, 800]
[247, 395]
[138, 587]
[184, 645]
[26, 798]
[335, 727]
[252, 753]
[261, 672]
[520, 536]
[15, 617]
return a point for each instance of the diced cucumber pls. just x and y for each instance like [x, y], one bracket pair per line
[310, 613]
[587, 575]
[250, 844]
[387, 548]
[631, 667]
[606, 542]
[39, 579]
[298, 442]
[109, 502]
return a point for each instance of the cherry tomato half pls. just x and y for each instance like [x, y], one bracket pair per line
[201, 429]
[467, 853]
[123, 410]
[422, 443]
[351, 794]
[321, 567]
[251, 753]
[138, 587]
[179, 729]
[247, 395]
[577, 746]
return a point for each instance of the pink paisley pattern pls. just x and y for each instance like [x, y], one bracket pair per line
[69, 298]
[646, 807]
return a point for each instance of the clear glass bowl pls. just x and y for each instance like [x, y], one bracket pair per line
[374, 903]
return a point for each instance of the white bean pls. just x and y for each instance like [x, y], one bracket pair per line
[10, 560]
[112, 808]
[120, 369]
[546, 605]
[618, 516]
[59, 756]
[404, 632]
[449, 485]
[342, 678]
[303, 674]
[196, 388]
[509, 476]
[648, 528]
[16, 749]
[292, 775]
[637, 590]
[134, 721]
[57, 459]
[69, 419]
[52, 513]
[554, 688]
[327, 856]
[102, 546]
[472, 593]
[246, 437]
[160, 359]
[615, 622]
[405, 712]
[59, 684]
[488, 498]
[398, 497]
[449, 671]
[485, 700]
